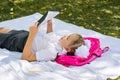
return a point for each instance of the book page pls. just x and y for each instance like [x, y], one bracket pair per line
[50, 15]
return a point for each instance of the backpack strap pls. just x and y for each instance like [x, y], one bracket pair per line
[98, 52]
[95, 50]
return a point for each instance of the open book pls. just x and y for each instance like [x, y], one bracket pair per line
[47, 16]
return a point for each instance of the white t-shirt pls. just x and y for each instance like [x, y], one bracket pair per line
[46, 46]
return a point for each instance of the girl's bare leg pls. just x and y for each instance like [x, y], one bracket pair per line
[4, 30]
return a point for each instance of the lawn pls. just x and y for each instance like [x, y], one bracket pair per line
[100, 15]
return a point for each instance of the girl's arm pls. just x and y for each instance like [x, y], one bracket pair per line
[49, 26]
[27, 54]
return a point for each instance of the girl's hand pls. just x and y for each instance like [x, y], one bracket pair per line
[34, 28]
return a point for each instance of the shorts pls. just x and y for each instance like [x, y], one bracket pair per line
[14, 40]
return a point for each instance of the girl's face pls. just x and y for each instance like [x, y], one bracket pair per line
[66, 40]
[71, 42]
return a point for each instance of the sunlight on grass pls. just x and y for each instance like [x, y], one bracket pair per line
[100, 15]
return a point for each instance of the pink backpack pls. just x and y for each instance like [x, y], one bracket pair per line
[94, 52]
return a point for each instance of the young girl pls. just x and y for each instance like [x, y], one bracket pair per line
[36, 46]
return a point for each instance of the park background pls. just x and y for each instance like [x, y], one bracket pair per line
[99, 15]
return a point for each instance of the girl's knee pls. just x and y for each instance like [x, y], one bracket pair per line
[4, 30]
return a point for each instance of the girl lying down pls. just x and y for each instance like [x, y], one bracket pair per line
[39, 47]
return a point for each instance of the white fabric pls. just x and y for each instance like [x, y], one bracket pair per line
[13, 68]
[83, 51]
[44, 46]
[50, 15]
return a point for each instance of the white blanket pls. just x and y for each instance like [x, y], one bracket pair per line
[13, 68]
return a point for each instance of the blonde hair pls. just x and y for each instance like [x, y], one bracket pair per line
[75, 42]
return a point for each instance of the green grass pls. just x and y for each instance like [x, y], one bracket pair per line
[100, 15]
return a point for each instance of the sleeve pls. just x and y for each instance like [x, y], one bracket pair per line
[52, 36]
[46, 54]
